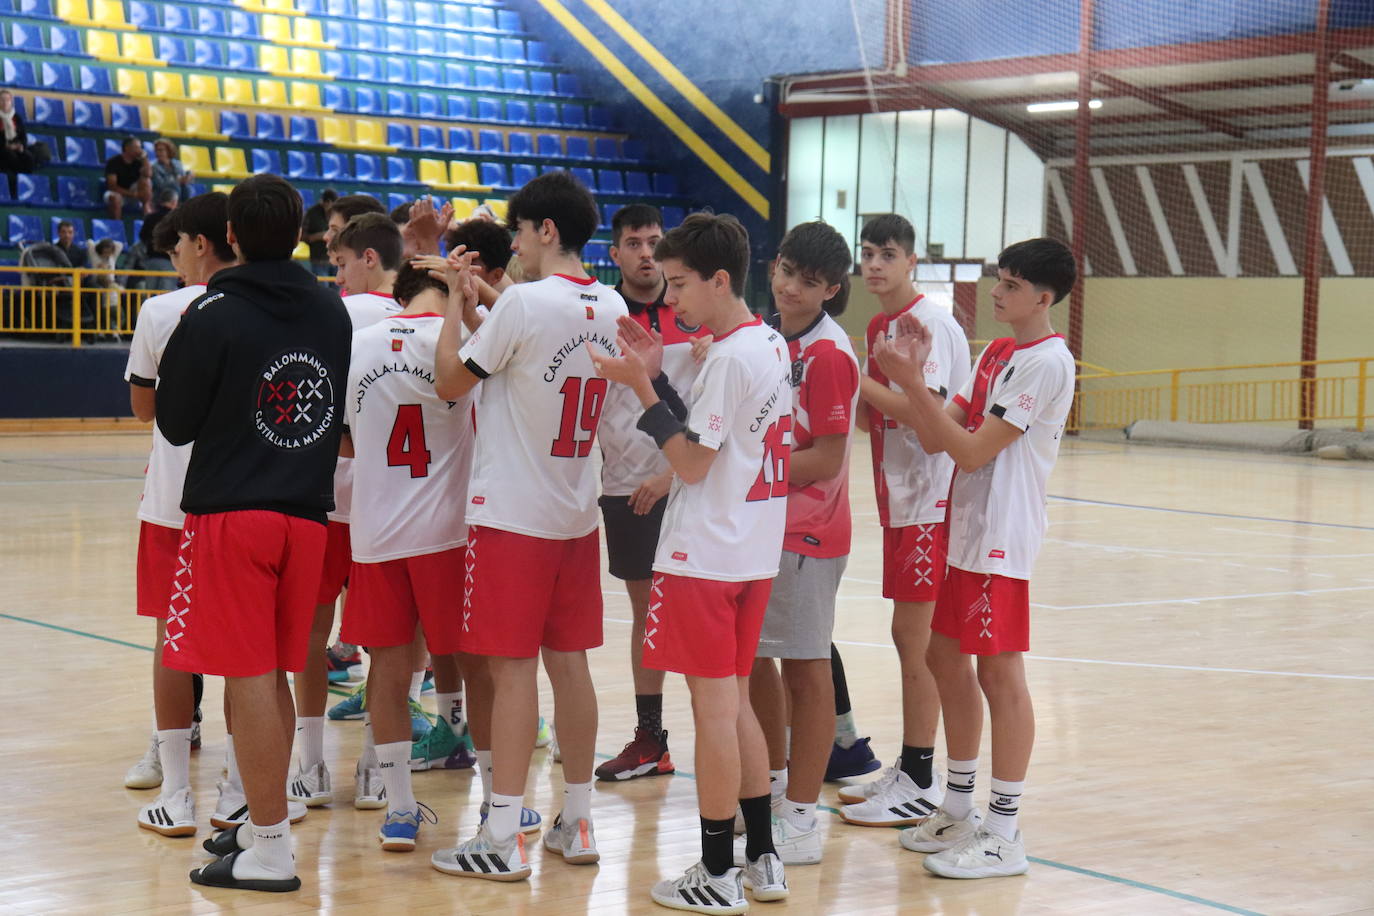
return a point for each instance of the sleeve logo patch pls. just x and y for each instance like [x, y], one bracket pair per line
[997, 554]
[479, 500]
[715, 423]
[396, 345]
[680, 556]
[1026, 402]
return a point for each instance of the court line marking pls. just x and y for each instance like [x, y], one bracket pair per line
[1250, 518]
[1305, 592]
[1195, 554]
[1270, 534]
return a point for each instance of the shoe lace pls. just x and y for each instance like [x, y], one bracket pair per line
[417, 710]
[425, 813]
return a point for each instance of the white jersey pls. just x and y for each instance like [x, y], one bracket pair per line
[166, 474]
[913, 487]
[364, 309]
[412, 449]
[629, 455]
[997, 514]
[729, 525]
[540, 405]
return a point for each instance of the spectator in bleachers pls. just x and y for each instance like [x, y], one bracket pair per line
[313, 231]
[168, 174]
[127, 178]
[66, 240]
[14, 153]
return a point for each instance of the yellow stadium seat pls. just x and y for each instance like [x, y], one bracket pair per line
[133, 82]
[197, 159]
[463, 207]
[370, 135]
[274, 59]
[272, 92]
[137, 48]
[238, 91]
[302, 252]
[222, 188]
[499, 206]
[109, 14]
[230, 162]
[102, 45]
[201, 122]
[73, 10]
[203, 87]
[164, 119]
[336, 131]
[169, 86]
[305, 62]
[285, 7]
[433, 172]
[464, 175]
[309, 32]
[306, 95]
[276, 29]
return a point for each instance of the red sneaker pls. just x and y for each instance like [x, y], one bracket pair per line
[646, 755]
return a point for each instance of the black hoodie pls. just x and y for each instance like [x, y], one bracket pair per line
[254, 375]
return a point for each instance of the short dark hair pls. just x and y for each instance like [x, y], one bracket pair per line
[168, 196]
[634, 216]
[1044, 263]
[890, 227]
[328, 196]
[400, 214]
[411, 281]
[706, 243]
[66, 222]
[350, 205]
[204, 214]
[124, 144]
[375, 231]
[559, 197]
[490, 240]
[266, 213]
[818, 250]
[166, 228]
[104, 246]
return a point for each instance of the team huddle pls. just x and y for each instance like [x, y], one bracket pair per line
[424, 446]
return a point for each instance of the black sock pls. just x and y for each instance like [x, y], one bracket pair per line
[649, 707]
[717, 845]
[917, 763]
[758, 826]
[841, 685]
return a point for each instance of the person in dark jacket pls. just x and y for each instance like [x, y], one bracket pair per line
[254, 375]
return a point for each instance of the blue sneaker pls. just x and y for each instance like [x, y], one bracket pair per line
[400, 828]
[529, 818]
[420, 722]
[544, 735]
[351, 706]
[851, 761]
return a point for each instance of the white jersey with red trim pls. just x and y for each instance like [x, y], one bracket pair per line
[364, 309]
[540, 405]
[913, 487]
[825, 394]
[729, 525]
[629, 456]
[997, 515]
[412, 449]
[165, 477]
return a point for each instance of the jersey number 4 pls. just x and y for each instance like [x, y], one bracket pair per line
[582, 403]
[777, 456]
[406, 447]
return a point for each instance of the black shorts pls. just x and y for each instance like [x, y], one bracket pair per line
[631, 540]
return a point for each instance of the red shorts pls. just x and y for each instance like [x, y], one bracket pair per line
[386, 599]
[157, 564]
[704, 628]
[338, 560]
[914, 561]
[243, 597]
[521, 593]
[987, 614]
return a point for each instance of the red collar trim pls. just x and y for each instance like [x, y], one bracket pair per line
[419, 315]
[578, 280]
[748, 324]
[1040, 341]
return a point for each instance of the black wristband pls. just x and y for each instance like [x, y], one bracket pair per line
[658, 421]
[665, 390]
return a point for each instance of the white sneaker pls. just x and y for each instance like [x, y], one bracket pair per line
[698, 891]
[311, 787]
[369, 791]
[480, 857]
[862, 792]
[147, 773]
[765, 879]
[576, 844]
[898, 803]
[232, 808]
[983, 855]
[940, 832]
[173, 815]
[793, 846]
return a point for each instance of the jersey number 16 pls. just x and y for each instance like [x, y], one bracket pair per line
[777, 456]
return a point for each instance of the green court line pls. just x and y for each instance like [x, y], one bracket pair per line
[1087, 872]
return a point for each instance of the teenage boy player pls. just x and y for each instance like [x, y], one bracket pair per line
[1003, 431]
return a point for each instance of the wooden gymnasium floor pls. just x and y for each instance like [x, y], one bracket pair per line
[1202, 674]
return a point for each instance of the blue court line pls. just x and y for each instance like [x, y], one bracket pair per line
[1128, 882]
[1251, 518]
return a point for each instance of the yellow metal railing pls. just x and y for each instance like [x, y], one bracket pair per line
[36, 307]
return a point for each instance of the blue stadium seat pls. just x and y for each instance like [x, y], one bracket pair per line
[586, 176]
[368, 68]
[398, 11]
[491, 141]
[242, 25]
[608, 212]
[429, 138]
[427, 13]
[335, 96]
[368, 168]
[137, 229]
[369, 9]
[605, 148]
[96, 80]
[536, 52]
[109, 229]
[368, 37]
[456, 15]
[458, 44]
[569, 85]
[333, 167]
[365, 100]
[112, 148]
[339, 34]
[633, 150]
[81, 151]
[88, 114]
[265, 160]
[673, 217]
[34, 190]
[610, 181]
[460, 139]
[36, 9]
[488, 109]
[515, 80]
[550, 145]
[637, 183]
[313, 7]
[518, 112]
[597, 253]
[428, 72]
[493, 174]
[304, 130]
[125, 117]
[427, 105]
[49, 139]
[428, 41]
[520, 143]
[74, 192]
[207, 53]
[49, 112]
[210, 21]
[65, 41]
[399, 169]
[241, 55]
[485, 47]
[143, 15]
[25, 230]
[270, 127]
[546, 114]
[234, 125]
[486, 78]
[20, 74]
[21, 36]
[399, 38]
[301, 164]
[336, 64]
[399, 103]
[57, 76]
[599, 118]
[665, 183]
[541, 82]
[512, 49]
[179, 18]
[458, 107]
[341, 8]
[522, 173]
[481, 17]
[579, 148]
[508, 21]
[457, 76]
[172, 50]
[395, 200]
[574, 115]
[400, 135]
[399, 71]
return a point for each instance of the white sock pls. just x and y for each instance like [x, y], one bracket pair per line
[777, 784]
[959, 787]
[394, 760]
[484, 773]
[801, 815]
[310, 740]
[503, 818]
[174, 750]
[367, 760]
[231, 764]
[270, 853]
[845, 731]
[450, 707]
[1003, 806]
[417, 680]
[577, 802]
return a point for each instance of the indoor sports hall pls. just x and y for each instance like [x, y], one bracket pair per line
[1201, 608]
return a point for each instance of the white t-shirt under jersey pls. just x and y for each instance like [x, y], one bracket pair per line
[412, 449]
[997, 514]
[913, 487]
[166, 474]
[729, 525]
[364, 309]
[540, 405]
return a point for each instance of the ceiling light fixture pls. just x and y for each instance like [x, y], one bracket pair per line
[1068, 105]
